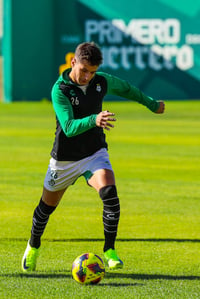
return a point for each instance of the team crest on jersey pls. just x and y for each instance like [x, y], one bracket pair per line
[72, 93]
[98, 88]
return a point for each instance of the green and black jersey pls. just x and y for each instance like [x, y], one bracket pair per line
[77, 135]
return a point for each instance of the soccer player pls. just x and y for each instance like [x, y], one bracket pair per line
[80, 147]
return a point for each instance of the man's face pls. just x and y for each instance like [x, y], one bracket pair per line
[82, 72]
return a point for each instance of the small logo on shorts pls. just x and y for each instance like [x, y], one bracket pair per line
[54, 176]
[51, 182]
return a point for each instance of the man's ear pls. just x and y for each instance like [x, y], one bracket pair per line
[73, 61]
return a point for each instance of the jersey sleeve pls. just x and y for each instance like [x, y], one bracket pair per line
[64, 112]
[122, 88]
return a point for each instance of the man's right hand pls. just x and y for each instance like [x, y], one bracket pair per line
[103, 120]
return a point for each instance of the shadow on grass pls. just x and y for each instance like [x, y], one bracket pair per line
[102, 240]
[138, 276]
[109, 275]
[37, 275]
[66, 274]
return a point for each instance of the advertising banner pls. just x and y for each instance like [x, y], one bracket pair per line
[156, 48]
[155, 45]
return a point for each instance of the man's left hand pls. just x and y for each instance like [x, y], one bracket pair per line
[161, 108]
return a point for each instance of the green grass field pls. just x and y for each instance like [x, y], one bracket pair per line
[156, 159]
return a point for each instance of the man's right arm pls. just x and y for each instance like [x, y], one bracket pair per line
[64, 112]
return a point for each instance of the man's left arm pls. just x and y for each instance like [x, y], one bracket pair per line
[122, 88]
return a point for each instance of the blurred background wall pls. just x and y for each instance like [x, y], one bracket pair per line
[156, 49]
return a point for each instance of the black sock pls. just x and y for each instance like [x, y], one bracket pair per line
[40, 219]
[111, 214]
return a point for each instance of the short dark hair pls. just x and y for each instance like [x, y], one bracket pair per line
[89, 51]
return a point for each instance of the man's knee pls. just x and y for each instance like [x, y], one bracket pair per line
[108, 192]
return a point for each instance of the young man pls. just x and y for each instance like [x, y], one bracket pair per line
[80, 148]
